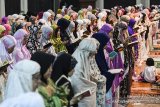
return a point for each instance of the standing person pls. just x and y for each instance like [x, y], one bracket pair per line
[131, 31]
[81, 78]
[101, 20]
[64, 65]
[66, 34]
[113, 62]
[51, 94]
[33, 45]
[7, 44]
[103, 66]
[47, 33]
[21, 52]
[23, 78]
[47, 18]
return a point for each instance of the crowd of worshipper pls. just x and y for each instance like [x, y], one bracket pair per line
[74, 59]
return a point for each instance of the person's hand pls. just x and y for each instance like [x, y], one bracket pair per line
[45, 50]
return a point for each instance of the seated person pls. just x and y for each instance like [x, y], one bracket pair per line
[149, 73]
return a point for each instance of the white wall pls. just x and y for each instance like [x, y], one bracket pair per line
[2, 8]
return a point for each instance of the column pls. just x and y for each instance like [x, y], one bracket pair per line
[100, 4]
[2, 8]
[145, 3]
[24, 6]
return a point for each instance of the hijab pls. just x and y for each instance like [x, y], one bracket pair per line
[82, 54]
[100, 58]
[45, 60]
[6, 42]
[63, 24]
[46, 15]
[63, 64]
[8, 29]
[25, 100]
[4, 20]
[21, 52]
[20, 78]
[46, 31]
[107, 28]
[130, 26]
[2, 29]
[80, 79]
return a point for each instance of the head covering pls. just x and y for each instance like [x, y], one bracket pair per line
[29, 100]
[82, 53]
[74, 15]
[107, 28]
[63, 64]
[46, 15]
[125, 18]
[40, 15]
[4, 20]
[92, 17]
[80, 15]
[81, 77]
[100, 59]
[46, 31]
[101, 15]
[67, 17]
[9, 41]
[21, 52]
[45, 60]
[132, 23]
[6, 42]
[51, 12]
[20, 78]
[15, 16]
[19, 36]
[2, 29]
[130, 26]
[70, 27]
[89, 8]
[63, 24]
[8, 28]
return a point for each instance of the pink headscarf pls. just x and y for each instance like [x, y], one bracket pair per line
[8, 29]
[21, 52]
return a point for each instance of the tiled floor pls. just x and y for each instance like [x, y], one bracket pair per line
[141, 93]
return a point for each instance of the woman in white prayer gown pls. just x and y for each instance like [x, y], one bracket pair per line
[81, 79]
[25, 100]
[23, 78]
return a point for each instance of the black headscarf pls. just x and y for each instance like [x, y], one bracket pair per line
[45, 60]
[63, 24]
[100, 59]
[63, 64]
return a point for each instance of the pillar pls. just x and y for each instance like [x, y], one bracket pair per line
[100, 4]
[24, 6]
[2, 8]
[145, 3]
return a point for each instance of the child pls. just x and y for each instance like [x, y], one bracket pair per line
[149, 73]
